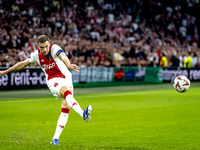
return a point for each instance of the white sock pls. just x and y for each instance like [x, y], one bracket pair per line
[62, 120]
[74, 104]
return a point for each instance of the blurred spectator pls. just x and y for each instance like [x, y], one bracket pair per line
[163, 60]
[95, 36]
[23, 54]
[188, 60]
[175, 60]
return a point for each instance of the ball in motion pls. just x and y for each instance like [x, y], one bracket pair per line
[181, 83]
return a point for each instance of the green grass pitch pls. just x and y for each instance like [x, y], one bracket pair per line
[136, 120]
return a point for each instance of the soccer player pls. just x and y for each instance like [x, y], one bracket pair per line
[55, 65]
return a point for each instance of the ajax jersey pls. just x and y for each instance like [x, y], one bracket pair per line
[51, 64]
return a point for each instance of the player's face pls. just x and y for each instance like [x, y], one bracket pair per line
[44, 47]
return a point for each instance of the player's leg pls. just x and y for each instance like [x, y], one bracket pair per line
[61, 121]
[67, 94]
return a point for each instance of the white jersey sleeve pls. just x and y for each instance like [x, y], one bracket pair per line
[56, 50]
[33, 57]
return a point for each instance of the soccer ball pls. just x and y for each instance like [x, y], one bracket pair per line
[181, 83]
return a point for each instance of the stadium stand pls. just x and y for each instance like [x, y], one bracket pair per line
[104, 33]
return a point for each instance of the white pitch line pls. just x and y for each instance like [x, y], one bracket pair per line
[121, 94]
[107, 95]
[25, 100]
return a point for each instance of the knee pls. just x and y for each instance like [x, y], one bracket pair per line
[65, 104]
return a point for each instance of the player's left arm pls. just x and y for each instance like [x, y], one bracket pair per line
[62, 56]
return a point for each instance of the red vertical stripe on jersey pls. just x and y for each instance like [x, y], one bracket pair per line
[49, 65]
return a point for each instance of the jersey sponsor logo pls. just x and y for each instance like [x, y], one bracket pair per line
[50, 66]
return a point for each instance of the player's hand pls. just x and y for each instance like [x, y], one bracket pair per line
[73, 67]
[2, 73]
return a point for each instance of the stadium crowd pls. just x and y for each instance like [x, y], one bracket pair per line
[103, 33]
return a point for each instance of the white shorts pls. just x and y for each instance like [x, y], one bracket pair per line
[55, 85]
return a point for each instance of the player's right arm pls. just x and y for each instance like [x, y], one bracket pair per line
[16, 67]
